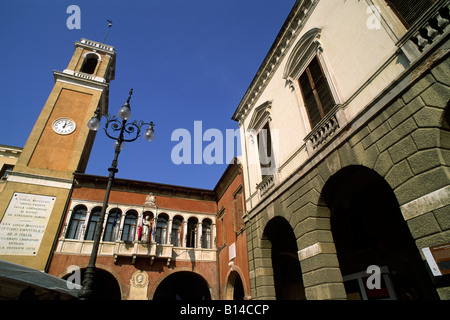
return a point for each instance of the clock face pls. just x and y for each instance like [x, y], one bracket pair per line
[64, 126]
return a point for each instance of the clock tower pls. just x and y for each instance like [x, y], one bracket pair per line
[37, 190]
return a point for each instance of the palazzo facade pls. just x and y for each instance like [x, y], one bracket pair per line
[345, 135]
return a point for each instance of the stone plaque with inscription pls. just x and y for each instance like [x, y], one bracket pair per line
[24, 223]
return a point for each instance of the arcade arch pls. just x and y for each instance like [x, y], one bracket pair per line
[368, 229]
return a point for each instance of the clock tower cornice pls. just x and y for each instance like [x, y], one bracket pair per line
[97, 46]
[81, 79]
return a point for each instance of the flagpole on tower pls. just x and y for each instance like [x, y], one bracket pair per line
[107, 31]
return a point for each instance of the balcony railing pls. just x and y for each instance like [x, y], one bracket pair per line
[137, 249]
[266, 184]
[433, 24]
[145, 250]
[325, 129]
[431, 28]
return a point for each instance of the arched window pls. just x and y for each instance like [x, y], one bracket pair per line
[206, 234]
[161, 228]
[89, 63]
[93, 223]
[76, 224]
[307, 72]
[176, 231]
[260, 125]
[129, 226]
[112, 225]
[191, 232]
[265, 151]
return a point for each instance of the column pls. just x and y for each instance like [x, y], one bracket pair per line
[67, 224]
[183, 241]
[121, 223]
[213, 236]
[86, 223]
[169, 231]
[199, 235]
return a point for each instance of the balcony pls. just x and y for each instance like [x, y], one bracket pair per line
[265, 185]
[144, 250]
[323, 131]
[137, 249]
[433, 25]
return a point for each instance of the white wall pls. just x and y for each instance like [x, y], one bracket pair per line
[353, 53]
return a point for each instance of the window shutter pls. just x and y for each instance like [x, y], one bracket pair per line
[409, 11]
[310, 101]
[240, 210]
[233, 215]
[316, 92]
[265, 148]
[322, 87]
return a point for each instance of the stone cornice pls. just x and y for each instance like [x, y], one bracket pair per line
[39, 180]
[294, 23]
[158, 189]
[96, 46]
[78, 79]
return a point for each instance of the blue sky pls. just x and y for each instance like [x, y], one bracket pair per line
[187, 60]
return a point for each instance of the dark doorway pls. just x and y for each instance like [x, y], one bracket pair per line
[369, 229]
[287, 273]
[106, 286]
[182, 286]
[238, 292]
[235, 287]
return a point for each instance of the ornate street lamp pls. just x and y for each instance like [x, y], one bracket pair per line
[121, 131]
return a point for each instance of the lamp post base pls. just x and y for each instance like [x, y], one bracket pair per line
[87, 291]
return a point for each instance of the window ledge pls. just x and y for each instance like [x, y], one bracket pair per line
[323, 131]
[265, 185]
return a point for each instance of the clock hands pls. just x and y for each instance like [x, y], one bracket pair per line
[64, 126]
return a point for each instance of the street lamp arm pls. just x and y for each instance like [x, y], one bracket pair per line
[117, 129]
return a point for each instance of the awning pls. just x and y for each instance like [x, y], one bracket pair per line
[17, 278]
